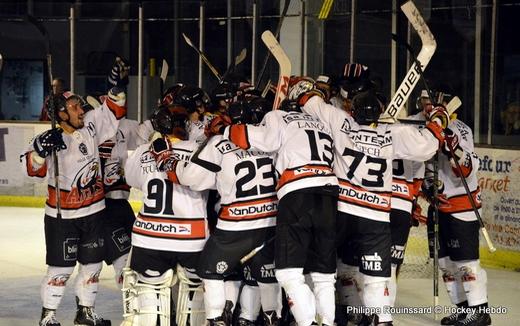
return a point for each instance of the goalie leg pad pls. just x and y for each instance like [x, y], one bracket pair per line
[190, 298]
[375, 295]
[300, 298]
[146, 299]
[474, 281]
[53, 285]
[325, 297]
[348, 285]
[452, 280]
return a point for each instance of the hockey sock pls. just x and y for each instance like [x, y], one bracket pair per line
[232, 290]
[392, 286]
[53, 286]
[452, 280]
[214, 298]
[87, 283]
[349, 289]
[271, 297]
[474, 281]
[118, 265]
[375, 295]
[324, 294]
[250, 302]
[300, 298]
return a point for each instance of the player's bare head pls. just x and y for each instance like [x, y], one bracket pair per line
[170, 120]
[69, 110]
[366, 108]
[194, 99]
[58, 85]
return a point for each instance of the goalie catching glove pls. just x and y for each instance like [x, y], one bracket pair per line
[161, 150]
[50, 140]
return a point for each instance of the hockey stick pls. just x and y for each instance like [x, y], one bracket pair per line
[285, 67]
[490, 245]
[45, 35]
[238, 60]
[253, 252]
[1, 62]
[412, 76]
[164, 74]
[276, 34]
[203, 57]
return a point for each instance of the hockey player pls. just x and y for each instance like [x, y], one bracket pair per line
[171, 227]
[307, 193]
[245, 180]
[363, 157]
[355, 79]
[196, 102]
[76, 236]
[406, 184]
[464, 278]
[119, 216]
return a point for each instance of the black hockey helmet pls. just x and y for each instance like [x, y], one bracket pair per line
[168, 97]
[366, 108]
[223, 92]
[239, 113]
[59, 103]
[355, 79]
[258, 108]
[192, 98]
[170, 120]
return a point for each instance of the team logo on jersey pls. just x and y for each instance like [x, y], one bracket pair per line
[83, 149]
[112, 173]
[372, 262]
[87, 184]
[221, 267]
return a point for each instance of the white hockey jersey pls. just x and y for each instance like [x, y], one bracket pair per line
[363, 158]
[130, 134]
[406, 183]
[303, 147]
[245, 180]
[173, 217]
[80, 179]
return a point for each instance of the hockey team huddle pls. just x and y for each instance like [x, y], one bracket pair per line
[254, 215]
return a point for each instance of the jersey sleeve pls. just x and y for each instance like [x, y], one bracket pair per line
[468, 159]
[103, 121]
[201, 172]
[133, 170]
[266, 137]
[138, 133]
[410, 143]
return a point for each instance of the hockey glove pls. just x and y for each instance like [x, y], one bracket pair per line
[451, 139]
[116, 101]
[161, 150]
[105, 149]
[51, 140]
[417, 215]
[440, 115]
[119, 74]
[217, 125]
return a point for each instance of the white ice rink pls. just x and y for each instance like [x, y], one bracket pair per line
[22, 265]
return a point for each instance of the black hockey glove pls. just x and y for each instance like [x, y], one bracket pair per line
[48, 141]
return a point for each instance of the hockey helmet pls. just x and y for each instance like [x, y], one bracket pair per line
[366, 108]
[170, 120]
[299, 85]
[59, 103]
[355, 79]
[168, 97]
[192, 98]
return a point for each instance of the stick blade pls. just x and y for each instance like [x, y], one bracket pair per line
[187, 39]
[164, 71]
[241, 56]
[284, 63]
[453, 105]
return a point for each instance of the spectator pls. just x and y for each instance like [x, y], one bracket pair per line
[58, 87]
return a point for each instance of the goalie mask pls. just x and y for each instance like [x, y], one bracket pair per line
[366, 108]
[299, 86]
[170, 120]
